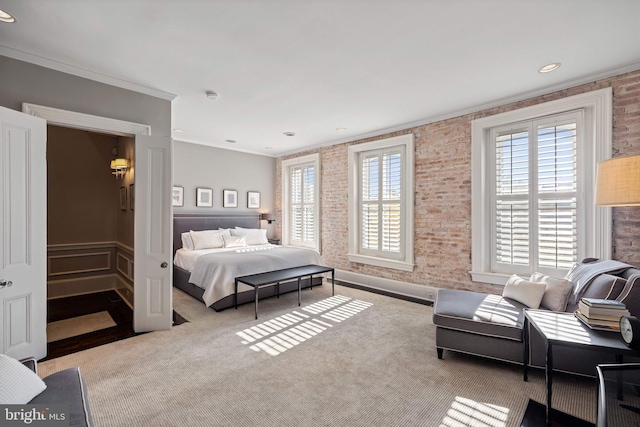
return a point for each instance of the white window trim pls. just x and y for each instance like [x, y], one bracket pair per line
[407, 263]
[598, 110]
[286, 184]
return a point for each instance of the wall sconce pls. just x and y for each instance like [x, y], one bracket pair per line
[119, 167]
[267, 217]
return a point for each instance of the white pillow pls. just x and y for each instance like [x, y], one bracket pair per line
[557, 293]
[524, 291]
[207, 239]
[19, 384]
[255, 236]
[234, 241]
[187, 241]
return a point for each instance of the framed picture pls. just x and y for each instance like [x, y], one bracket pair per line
[204, 197]
[230, 198]
[123, 198]
[253, 199]
[177, 196]
[132, 196]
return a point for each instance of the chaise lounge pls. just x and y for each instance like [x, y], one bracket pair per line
[492, 325]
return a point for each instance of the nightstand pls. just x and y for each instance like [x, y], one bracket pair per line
[274, 241]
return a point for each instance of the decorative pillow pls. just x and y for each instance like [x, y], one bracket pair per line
[187, 241]
[19, 384]
[207, 239]
[234, 241]
[255, 236]
[524, 291]
[557, 293]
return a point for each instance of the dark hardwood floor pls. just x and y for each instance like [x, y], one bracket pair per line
[110, 301]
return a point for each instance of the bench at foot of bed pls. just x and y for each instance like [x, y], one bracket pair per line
[274, 278]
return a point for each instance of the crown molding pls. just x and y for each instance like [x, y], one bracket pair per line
[82, 72]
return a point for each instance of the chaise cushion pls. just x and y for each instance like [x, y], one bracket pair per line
[483, 314]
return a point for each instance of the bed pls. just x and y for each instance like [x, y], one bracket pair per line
[207, 275]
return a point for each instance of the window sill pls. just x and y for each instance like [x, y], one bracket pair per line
[489, 277]
[381, 262]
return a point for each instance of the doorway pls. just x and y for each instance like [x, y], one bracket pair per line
[90, 239]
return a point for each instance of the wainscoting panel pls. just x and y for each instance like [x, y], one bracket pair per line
[60, 265]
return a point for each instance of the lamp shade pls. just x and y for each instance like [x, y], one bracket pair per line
[119, 164]
[267, 217]
[618, 182]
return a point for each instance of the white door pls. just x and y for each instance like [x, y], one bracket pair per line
[23, 235]
[152, 296]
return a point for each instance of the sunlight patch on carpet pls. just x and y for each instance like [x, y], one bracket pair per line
[469, 413]
[284, 332]
[75, 326]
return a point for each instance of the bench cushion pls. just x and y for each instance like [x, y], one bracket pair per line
[484, 314]
[67, 388]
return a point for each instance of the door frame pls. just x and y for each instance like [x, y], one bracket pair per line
[88, 122]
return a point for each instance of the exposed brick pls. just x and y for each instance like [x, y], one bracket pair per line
[442, 225]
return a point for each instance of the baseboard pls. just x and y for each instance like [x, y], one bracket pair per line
[125, 290]
[80, 286]
[397, 288]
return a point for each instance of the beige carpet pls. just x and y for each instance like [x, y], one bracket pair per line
[79, 325]
[358, 359]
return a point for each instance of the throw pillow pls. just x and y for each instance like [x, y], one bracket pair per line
[19, 384]
[557, 293]
[524, 291]
[234, 241]
[207, 239]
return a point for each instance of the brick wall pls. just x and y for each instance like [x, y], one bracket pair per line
[443, 192]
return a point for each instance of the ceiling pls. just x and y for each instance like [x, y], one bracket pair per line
[311, 67]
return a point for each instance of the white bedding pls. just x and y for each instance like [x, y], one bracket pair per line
[214, 270]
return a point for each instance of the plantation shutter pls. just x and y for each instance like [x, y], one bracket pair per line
[535, 213]
[381, 195]
[302, 205]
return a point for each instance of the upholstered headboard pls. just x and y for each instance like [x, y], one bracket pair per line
[196, 222]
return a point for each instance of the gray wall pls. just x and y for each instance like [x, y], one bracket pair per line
[209, 167]
[25, 82]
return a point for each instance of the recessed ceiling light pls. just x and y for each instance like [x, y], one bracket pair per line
[549, 67]
[211, 94]
[178, 130]
[230, 141]
[341, 129]
[5, 17]
[290, 133]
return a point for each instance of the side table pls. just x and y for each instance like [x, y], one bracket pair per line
[564, 329]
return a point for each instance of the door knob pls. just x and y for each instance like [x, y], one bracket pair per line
[164, 265]
[5, 283]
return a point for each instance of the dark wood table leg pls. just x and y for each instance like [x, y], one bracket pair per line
[333, 282]
[549, 379]
[525, 352]
[235, 294]
[278, 290]
[619, 378]
[299, 287]
[311, 281]
[255, 291]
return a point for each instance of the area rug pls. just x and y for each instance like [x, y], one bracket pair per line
[356, 359]
[79, 325]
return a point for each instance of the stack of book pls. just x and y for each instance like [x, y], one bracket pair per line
[601, 314]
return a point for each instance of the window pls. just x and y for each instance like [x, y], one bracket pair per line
[535, 210]
[532, 187]
[381, 203]
[301, 189]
